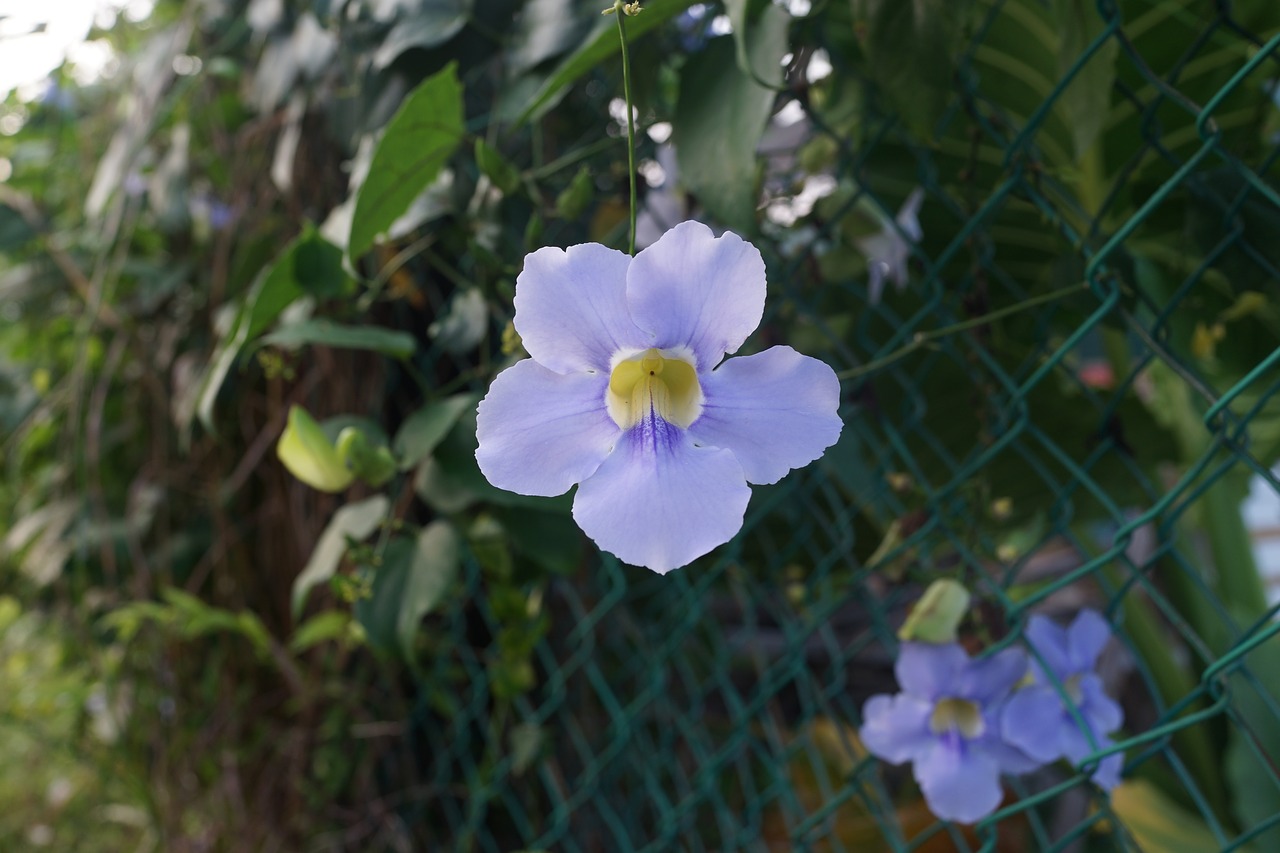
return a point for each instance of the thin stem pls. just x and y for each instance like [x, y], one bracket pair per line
[923, 338]
[631, 120]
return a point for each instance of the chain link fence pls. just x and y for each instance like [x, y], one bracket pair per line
[1062, 408]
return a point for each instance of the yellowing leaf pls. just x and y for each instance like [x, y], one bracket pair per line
[937, 614]
[1157, 823]
[309, 455]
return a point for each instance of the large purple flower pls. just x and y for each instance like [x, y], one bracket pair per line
[623, 395]
[1038, 719]
[946, 721]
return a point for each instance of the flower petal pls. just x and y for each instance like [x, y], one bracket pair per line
[571, 307]
[775, 411]
[1102, 712]
[1087, 636]
[660, 502]
[990, 679]
[896, 728]
[693, 289]
[1078, 748]
[958, 783]
[1031, 721]
[1050, 642]
[930, 671]
[540, 432]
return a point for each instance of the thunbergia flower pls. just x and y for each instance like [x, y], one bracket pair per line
[1038, 719]
[626, 395]
[946, 721]
[887, 251]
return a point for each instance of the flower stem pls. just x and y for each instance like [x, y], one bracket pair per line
[619, 11]
[923, 338]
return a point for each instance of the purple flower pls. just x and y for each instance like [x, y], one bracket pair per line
[887, 251]
[621, 396]
[1039, 721]
[946, 721]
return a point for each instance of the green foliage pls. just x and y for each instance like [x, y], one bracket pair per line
[721, 113]
[1061, 405]
[418, 141]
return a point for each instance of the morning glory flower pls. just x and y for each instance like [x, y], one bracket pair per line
[946, 721]
[1039, 721]
[626, 396]
[888, 250]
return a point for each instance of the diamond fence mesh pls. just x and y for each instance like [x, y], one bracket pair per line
[1062, 409]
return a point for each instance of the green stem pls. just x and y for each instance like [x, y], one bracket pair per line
[631, 121]
[923, 338]
[1239, 584]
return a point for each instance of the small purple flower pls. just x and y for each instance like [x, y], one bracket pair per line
[621, 396]
[888, 250]
[1039, 721]
[946, 721]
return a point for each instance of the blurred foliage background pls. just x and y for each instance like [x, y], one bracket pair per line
[1060, 398]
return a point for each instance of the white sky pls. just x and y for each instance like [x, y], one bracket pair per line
[27, 58]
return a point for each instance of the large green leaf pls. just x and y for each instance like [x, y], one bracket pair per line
[1253, 745]
[412, 581]
[353, 521]
[911, 51]
[432, 23]
[418, 141]
[311, 258]
[720, 115]
[1087, 98]
[428, 426]
[596, 47]
[1159, 824]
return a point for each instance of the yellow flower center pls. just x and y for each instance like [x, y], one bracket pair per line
[653, 381]
[959, 715]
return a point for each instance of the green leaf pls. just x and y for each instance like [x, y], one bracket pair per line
[573, 200]
[1253, 742]
[427, 427]
[547, 28]
[412, 581]
[432, 24]
[309, 455]
[322, 332]
[450, 480]
[372, 463]
[330, 625]
[599, 45]
[505, 176]
[353, 521]
[1157, 823]
[1087, 98]
[436, 557]
[418, 141]
[938, 613]
[310, 256]
[549, 539]
[911, 50]
[318, 269]
[721, 113]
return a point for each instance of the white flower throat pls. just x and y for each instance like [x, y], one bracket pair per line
[654, 381]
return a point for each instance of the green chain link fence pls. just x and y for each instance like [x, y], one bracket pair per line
[1061, 409]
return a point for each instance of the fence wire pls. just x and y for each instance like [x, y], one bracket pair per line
[999, 422]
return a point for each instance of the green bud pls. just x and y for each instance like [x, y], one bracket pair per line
[309, 455]
[936, 616]
[374, 465]
[505, 176]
